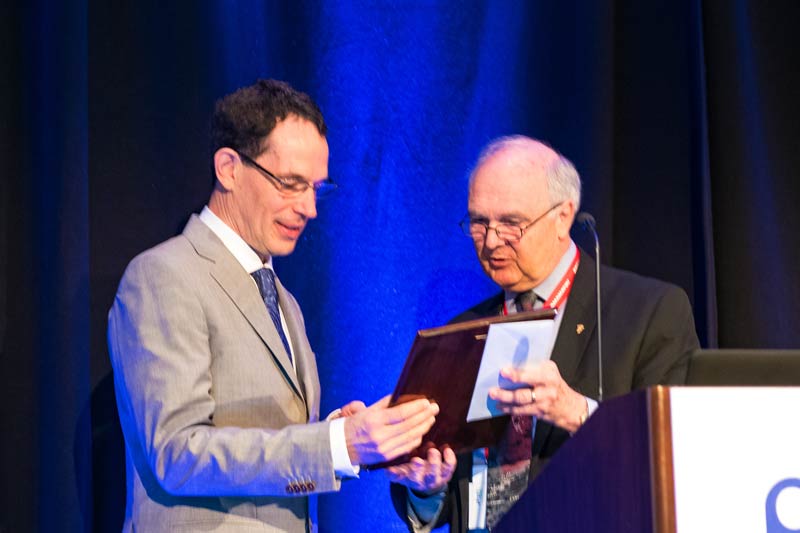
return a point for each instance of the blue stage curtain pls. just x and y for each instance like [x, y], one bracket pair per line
[682, 118]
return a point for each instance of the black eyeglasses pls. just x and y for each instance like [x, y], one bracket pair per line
[294, 187]
[478, 229]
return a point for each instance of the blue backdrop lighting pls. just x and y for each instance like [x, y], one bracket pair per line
[681, 117]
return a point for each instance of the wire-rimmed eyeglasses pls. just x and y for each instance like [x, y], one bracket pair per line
[294, 187]
[477, 229]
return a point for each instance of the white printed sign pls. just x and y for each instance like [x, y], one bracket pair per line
[736, 458]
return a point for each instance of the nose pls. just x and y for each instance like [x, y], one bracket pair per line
[306, 204]
[491, 240]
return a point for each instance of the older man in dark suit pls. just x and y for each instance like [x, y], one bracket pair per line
[523, 197]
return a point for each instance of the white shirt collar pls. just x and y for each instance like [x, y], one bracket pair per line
[233, 242]
[548, 285]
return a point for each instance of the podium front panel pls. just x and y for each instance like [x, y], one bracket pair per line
[736, 458]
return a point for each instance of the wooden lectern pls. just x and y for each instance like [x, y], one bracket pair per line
[719, 455]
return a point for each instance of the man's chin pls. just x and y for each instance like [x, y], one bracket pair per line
[283, 248]
[506, 277]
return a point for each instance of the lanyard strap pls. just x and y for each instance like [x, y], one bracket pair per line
[562, 290]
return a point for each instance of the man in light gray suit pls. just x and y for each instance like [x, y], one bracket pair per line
[216, 383]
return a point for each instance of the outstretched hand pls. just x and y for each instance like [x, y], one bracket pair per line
[379, 433]
[428, 476]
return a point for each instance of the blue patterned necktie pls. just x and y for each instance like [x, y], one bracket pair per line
[265, 279]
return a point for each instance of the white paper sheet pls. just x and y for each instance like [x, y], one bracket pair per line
[514, 344]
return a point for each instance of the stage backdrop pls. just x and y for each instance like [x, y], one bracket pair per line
[682, 117]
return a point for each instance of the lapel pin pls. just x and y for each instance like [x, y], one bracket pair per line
[579, 329]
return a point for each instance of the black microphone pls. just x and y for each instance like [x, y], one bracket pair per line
[588, 222]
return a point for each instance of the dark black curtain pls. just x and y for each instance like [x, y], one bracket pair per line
[44, 321]
[682, 117]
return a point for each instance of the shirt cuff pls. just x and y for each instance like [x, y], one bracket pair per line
[591, 405]
[424, 509]
[341, 459]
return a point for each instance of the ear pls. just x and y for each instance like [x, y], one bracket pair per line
[565, 216]
[226, 167]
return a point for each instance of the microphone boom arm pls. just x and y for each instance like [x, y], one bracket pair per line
[588, 222]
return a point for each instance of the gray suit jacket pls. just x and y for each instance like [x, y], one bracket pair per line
[220, 433]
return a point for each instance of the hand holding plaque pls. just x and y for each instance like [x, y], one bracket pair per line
[443, 367]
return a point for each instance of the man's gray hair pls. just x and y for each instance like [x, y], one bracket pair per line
[563, 181]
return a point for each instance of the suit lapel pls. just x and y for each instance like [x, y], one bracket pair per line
[570, 345]
[572, 340]
[304, 360]
[240, 288]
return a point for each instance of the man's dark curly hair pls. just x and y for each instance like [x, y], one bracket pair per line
[243, 119]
